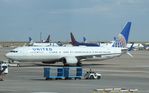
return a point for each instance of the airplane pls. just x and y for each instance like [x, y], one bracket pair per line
[43, 43]
[46, 41]
[68, 55]
[76, 43]
[138, 46]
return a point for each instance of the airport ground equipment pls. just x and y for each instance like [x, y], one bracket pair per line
[63, 73]
[54, 73]
[73, 72]
[3, 70]
[92, 75]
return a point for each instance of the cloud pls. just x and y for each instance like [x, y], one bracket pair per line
[105, 7]
[72, 15]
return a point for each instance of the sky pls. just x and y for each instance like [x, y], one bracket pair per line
[97, 20]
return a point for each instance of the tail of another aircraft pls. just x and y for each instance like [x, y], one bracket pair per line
[73, 40]
[76, 43]
[30, 39]
[48, 39]
[122, 39]
[84, 39]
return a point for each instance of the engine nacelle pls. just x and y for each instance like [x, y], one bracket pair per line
[71, 60]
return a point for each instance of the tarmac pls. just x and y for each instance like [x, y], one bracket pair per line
[120, 72]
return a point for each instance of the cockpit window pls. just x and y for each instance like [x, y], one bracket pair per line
[14, 51]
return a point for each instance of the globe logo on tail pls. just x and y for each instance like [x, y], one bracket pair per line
[122, 40]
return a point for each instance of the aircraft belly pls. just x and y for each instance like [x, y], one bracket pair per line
[38, 58]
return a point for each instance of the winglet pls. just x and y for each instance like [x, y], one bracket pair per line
[131, 47]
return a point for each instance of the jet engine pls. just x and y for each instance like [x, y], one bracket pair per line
[70, 60]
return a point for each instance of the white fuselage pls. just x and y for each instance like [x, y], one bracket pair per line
[44, 44]
[48, 54]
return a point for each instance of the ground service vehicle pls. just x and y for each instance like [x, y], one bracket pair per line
[92, 75]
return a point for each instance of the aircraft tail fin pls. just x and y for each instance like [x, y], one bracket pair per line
[84, 39]
[48, 39]
[122, 39]
[30, 39]
[125, 31]
[73, 41]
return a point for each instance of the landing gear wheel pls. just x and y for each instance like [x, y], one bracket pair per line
[65, 64]
[47, 79]
[79, 64]
[91, 77]
[10, 61]
[98, 77]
